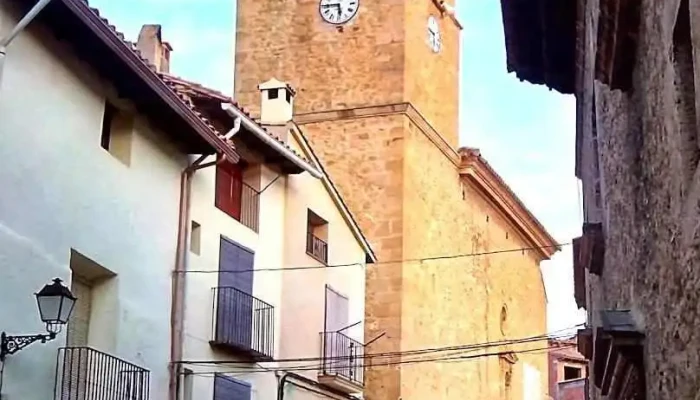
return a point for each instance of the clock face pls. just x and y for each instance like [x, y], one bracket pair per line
[338, 11]
[434, 38]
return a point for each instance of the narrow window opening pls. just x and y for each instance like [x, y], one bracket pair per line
[117, 133]
[273, 94]
[572, 373]
[107, 118]
[317, 237]
[195, 238]
[288, 96]
[684, 81]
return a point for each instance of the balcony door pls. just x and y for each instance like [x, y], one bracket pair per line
[336, 344]
[234, 299]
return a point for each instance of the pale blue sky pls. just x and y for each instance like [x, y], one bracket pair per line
[526, 132]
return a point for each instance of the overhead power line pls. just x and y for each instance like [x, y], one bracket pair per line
[356, 264]
[246, 371]
[551, 335]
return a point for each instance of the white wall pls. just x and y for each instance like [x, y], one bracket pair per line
[298, 296]
[61, 190]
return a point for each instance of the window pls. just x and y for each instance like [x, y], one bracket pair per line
[273, 94]
[572, 373]
[317, 237]
[228, 388]
[195, 238]
[117, 131]
[229, 189]
[289, 96]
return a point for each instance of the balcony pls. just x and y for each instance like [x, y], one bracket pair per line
[83, 373]
[316, 248]
[243, 324]
[342, 366]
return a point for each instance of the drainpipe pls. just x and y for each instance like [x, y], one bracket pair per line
[29, 17]
[178, 279]
[310, 382]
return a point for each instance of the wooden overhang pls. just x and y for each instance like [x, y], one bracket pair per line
[618, 357]
[540, 38]
[93, 40]
[584, 342]
[579, 275]
[592, 248]
[618, 31]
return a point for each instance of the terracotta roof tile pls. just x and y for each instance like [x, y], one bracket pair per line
[187, 88]
[132, 46]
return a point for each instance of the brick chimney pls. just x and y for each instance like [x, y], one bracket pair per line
[277, 106]
[153, 48]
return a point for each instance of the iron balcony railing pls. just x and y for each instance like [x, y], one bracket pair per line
[343, 357]
[243, 323]
[250, 207]
[316, 248]
[83, 373]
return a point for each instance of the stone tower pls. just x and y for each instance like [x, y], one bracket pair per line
[378, 98]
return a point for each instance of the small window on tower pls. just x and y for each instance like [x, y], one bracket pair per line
[289, 96]
[273, 94]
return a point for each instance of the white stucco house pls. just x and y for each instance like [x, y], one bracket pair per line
[180, 224]
[263, 282]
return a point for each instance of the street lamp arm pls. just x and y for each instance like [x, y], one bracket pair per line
[12, 344]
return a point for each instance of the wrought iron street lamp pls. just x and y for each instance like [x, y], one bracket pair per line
[55, 303]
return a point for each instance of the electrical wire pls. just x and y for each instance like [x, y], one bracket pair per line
[547, 336]
[385, 364]
[356, 264]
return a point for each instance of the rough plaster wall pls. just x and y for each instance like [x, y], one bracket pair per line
[651, 203]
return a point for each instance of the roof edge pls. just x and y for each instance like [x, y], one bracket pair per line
[475, 167]
[306, 147]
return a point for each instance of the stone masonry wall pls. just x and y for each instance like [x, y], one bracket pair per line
[433, 303]
[651, 196]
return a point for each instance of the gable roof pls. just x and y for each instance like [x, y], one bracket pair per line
[99, 44]
[335, 195]
[212, 103]
[197, 92]
[478, 170]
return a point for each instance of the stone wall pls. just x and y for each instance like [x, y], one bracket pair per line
[433, 303]
[648, 153]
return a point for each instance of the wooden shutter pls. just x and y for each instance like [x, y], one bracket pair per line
[337, 310]
[227, 388]
[229, 189]
[235, 302]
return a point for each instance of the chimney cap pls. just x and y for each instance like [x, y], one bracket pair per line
[276, 84]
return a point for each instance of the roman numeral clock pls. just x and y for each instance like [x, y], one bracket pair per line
[338, 12]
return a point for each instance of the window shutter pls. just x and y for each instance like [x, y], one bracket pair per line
[337, 310]
[227, 388]
[229, 189]
[235, 301]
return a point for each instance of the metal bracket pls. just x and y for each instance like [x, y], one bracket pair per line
[12, 344]
[269, 184]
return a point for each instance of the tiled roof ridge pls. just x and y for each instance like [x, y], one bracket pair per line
[132, 46]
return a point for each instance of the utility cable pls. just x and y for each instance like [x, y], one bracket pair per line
[323, 266]
[552, 335]
[384, 364]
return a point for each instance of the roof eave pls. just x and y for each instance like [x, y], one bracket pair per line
[491, 184]
[148, 76]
